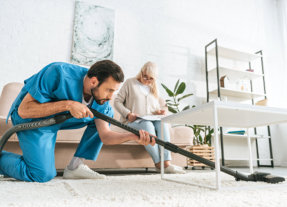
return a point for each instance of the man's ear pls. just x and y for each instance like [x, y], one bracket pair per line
[94, 82]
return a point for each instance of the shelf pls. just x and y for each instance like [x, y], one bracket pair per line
[237, 136]
[234, 54]
[235, 74]
[236, 93]
[248, 159]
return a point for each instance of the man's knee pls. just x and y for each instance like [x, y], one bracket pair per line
[42, 176]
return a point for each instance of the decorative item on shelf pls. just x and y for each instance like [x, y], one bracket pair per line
[242, 85]
[263, 102]
[239, 132]
[250, 70]
[246, 84]
[204, 151]
[224, 82]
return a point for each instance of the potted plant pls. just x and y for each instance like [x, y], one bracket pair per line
[173, 103]
[202, 134]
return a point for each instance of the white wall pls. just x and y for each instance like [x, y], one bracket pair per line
[172, 33]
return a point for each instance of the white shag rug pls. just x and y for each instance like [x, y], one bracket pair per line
[142, 190]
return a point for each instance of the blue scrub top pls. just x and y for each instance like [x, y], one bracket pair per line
[55, 82]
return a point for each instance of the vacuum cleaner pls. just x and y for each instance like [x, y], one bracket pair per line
[256, 176]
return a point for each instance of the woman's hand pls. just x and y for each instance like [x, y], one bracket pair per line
[160, 112]
[132, 117]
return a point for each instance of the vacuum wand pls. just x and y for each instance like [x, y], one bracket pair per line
[257, 176]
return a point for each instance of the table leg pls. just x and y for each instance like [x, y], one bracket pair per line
[161, 152]
[216, 145]
[250, 151]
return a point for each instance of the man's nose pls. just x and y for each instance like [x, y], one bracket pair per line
[109, 96]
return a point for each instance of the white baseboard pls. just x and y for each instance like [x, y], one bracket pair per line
[236, 163]
[282, 164]
[245, 163]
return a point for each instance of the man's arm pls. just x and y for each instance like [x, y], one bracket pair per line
[110, 137]
[31, 108]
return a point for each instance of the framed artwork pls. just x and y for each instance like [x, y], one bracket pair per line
[93, 36]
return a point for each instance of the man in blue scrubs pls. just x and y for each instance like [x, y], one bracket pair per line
[61, 88]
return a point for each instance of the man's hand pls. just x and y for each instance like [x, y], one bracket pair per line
[144, 138]
[110, 137]
[79, 110]
[31, 108]
[132, 117]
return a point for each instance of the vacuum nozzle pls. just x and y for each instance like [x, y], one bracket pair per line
[265, 177]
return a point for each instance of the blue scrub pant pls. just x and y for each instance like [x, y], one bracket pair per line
[38, 161]
[153, 127]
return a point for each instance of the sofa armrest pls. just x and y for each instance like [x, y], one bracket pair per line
[4, 127]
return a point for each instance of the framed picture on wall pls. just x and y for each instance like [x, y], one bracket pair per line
[93, 36]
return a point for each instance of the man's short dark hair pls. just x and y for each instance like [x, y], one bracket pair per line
[104, 69]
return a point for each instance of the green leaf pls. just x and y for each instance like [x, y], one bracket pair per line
[189, 126]
[185, 96]
[208, 137]
[169, 92]
[172, 104]
[185, 108]
[172, 110]
[180, 89]
[176, 86]
[200, 139]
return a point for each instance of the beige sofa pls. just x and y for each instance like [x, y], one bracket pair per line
[126, 155]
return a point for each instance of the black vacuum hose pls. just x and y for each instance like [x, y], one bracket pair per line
[33, 125]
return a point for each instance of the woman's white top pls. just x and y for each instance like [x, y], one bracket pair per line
[135, 97]
[144, 88]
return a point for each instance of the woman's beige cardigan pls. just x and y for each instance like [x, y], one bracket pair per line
[131, 99]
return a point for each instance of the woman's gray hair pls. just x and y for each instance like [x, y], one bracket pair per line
[150, 69]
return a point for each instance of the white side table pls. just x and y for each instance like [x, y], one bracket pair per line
[224, 114]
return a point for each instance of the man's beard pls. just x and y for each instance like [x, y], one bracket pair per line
[99, 101]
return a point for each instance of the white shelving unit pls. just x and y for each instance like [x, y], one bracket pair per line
[243, 95]
[238, 159]
[234, 54]
[237, 136]
[234, 73]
